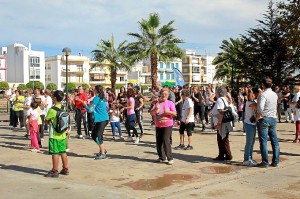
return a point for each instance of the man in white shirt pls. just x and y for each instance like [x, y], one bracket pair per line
[187, 120]
[267, 121]
[27, 102]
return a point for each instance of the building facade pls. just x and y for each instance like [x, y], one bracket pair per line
[24, 65]
[197, 69]
[78, 70]
[3, 72]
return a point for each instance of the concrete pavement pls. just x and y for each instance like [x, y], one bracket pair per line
[130, 171]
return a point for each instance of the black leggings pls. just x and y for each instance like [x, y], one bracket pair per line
[97, 133]
[138, 115]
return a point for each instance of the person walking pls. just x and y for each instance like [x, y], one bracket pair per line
[163, 112]
[267, 121]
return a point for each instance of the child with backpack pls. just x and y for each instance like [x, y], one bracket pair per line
[58, 120]
[33, 126]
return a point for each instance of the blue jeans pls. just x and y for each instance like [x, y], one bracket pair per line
[113, 128]
[267, 126]
[250, 140]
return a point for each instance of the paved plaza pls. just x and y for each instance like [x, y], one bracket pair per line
[131, 171]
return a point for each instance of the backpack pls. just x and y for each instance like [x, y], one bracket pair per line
[227, 114]
[62, 120]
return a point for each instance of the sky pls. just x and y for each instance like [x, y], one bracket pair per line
[80, 24]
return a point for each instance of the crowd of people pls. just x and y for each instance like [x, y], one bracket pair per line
[258, 108]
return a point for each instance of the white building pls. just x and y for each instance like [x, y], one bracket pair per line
[78, 70]
[24, 64]
[3, 52]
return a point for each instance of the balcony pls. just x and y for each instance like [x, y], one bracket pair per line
[79, 72]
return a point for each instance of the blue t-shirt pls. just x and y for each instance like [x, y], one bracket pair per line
[100, 111]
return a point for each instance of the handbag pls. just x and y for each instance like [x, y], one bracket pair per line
[227, 114]
[252, 119]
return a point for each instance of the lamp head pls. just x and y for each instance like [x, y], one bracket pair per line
[66, 51]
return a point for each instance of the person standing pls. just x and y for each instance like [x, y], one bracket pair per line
[199, 108]
[138, 109]
[163, 112]
[267, 121]
[223, 128]
[57, 141]
[80, 101]
[27, 102]
[101, 118]
[178, 103]
[187, 120]
[18, 103]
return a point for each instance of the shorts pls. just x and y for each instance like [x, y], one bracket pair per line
[200, 110]
[57, 146]
[188, 127]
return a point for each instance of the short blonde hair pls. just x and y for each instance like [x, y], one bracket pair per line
[297, 88]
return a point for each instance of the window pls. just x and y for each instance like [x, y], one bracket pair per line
[168, 66]
[161, 76]
[79, 78]
[196, 69]
[161, 64]
[34, 73]
[172, 65]
[97, 77]
[168, 76]
[172, 76]
[176, 65]
[79, 68]
[122, 79]
[34, 61]
[49, 67]
[49, 77]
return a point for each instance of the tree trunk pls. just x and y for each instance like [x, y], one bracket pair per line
[113, 79]
[153, 70]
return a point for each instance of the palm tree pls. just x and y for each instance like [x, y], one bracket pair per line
[158, 43]
[231, 60]
[117, 58]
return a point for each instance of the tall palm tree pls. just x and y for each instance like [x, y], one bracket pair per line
[117, 58]
[158, 43]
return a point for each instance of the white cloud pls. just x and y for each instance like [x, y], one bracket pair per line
[82, 23]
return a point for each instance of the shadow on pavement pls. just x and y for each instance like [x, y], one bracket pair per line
[23, 169]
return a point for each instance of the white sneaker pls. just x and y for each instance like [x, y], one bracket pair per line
[129, 138]
[244, 133]
[35, 150]
[162, 161]
[78, 136]
[249, 163]
[170, 162]
[68, 149]
[137, 140]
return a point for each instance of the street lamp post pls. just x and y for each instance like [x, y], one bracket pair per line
[67, 51]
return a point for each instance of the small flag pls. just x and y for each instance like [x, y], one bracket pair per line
[178, 77]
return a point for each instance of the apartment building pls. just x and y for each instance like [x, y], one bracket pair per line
[24, 65]
[197, 69]
[100, 75]
[3, 52]
[78, 70]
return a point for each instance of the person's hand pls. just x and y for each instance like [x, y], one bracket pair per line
[186, 120]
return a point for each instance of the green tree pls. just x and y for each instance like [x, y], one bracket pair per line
[85, 86]
[51, 86]
[22, 87]
[289, 20]
[156, 43]
[71, 86]
[266, 47]
[115, 58]
[35, 84]
[118, 86]
[4, 86]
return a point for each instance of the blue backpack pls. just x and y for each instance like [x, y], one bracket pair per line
[62, 120]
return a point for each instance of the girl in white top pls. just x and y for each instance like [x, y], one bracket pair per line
[33, 126]
[115, 120]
